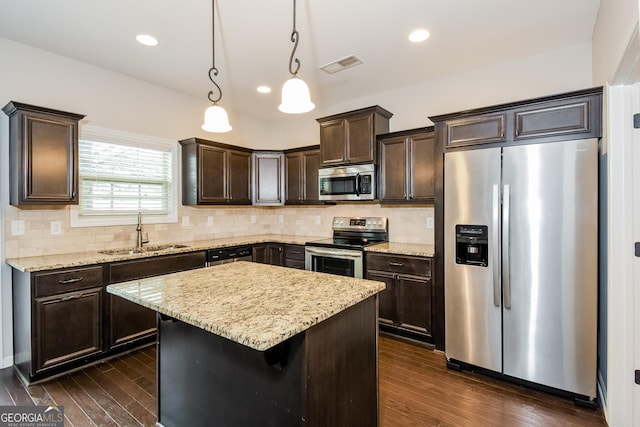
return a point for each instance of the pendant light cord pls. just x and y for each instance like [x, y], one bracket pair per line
[213, 71]
[294, 38]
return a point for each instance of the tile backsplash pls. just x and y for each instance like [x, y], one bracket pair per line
[406, 225]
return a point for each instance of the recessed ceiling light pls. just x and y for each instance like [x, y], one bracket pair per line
[147, 40]
[419, 35]
[264, 89]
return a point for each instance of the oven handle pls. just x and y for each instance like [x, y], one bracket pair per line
[315, 251]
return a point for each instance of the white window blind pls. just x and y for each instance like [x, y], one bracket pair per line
[122, 174]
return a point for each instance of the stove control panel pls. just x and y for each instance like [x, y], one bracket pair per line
[369, 223]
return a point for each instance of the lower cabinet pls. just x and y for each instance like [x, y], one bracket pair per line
[269, 253]
[294, 256]
[129, 322]
[405, 305]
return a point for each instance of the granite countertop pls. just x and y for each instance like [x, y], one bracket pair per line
[77, 259]
[414, 249]
[256, 305]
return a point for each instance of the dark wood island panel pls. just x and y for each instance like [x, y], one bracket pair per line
[324, 376]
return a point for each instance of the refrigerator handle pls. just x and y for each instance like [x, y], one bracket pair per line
[506, 198]
[495, 243]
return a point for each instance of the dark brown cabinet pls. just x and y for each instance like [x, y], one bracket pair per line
[128, 321]
[268, 178]
[43, 152]
[269, 253]
[407, 166]
[215, 173]
[301, 170]
[57, 319]
[350, 138]
[405, 306]
[294, 256]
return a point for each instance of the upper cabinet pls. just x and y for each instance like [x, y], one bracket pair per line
[214, 173]
[555, 118]
[350, 138]
[302, 166]
[268, 178]
[406, 166]
[43, 153]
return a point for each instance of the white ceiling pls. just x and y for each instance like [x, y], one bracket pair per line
[253, 40]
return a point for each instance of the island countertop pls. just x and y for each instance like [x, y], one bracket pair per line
[253, 304]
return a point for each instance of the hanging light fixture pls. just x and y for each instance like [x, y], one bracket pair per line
[215, 117]
[295, 92]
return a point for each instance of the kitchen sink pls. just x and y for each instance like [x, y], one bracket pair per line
[144, 249]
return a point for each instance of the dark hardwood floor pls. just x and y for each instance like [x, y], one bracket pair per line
[416, 389]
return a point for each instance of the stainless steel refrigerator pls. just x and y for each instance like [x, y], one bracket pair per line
[521, 262]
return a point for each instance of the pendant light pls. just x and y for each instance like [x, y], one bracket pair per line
[215, 117]
[295, 92]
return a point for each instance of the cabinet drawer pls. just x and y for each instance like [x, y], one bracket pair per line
[294, 252]
[67, 281]
[400, 264]
[294, 263]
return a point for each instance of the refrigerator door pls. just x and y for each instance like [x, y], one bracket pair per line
[550, 264]
[472, 292]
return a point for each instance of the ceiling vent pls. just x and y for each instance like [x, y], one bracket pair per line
[341, 64]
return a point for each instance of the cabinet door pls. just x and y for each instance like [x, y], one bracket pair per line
[49, 166]
[211, 175]
[332, 142]
[293, 189]
[360, 139]
[393, 169]
[310, 164]
[69, 327]
[421, 167]
[268, 174]
[260, 254]
[414, 303]
[387, 298]
[129, 321]
[276, 255]
[239, 178]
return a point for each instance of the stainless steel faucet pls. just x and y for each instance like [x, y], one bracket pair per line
[140, 241]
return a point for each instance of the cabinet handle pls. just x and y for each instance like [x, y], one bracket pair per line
[68, 298]
[296, 252]
[68, 281]
[396, 264]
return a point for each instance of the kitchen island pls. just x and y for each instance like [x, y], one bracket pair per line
[247, 344]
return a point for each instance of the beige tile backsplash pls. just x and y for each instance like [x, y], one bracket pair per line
[406, 225]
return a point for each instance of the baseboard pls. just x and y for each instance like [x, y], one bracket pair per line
[7, 361]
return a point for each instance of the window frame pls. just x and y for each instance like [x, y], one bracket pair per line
[111, 136]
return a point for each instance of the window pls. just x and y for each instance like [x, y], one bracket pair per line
[121, 174]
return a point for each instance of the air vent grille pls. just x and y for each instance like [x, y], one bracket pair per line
[341, 64]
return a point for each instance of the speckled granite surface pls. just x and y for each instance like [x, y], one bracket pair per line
[52, 262]
[256, 305]
[403, 249]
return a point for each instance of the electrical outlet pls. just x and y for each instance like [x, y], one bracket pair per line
[209, 221]
[253, 219]
[430, 222]
[185, 221]
[17, 227]
[317, 219]
[281, 219]
[56, 228]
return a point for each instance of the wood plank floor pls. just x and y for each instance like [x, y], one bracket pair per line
[416, 389]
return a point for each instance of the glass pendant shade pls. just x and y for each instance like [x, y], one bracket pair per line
[295, 97]
[216, 120]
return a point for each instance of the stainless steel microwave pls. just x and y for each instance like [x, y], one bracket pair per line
[355, 182]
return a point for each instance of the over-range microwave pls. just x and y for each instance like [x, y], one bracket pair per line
[355, 182]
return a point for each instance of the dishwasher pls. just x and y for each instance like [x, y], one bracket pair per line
[227, 255]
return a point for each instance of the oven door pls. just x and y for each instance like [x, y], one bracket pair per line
[342, 262]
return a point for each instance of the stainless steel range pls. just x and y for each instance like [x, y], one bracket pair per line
[344, 253]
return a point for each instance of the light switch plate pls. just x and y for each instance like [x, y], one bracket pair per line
[209, 221]
[430, 222]
[17, 227]
[56, 228]
[253, 219]
[317, 219]
[281, 219]
[185, 221]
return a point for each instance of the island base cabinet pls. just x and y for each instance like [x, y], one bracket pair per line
[326, 375]
[129, 322]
